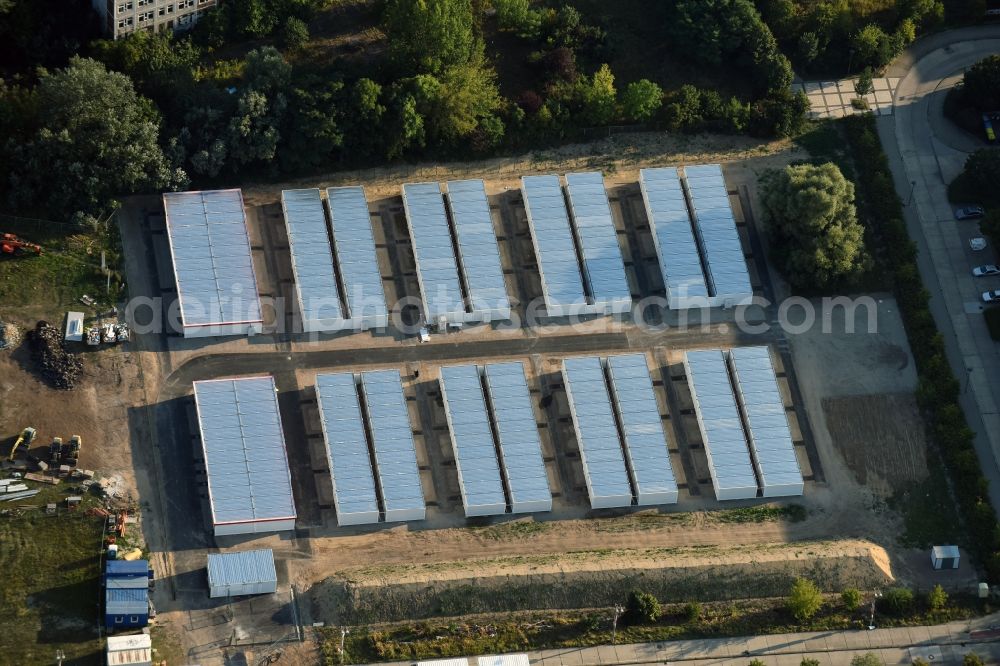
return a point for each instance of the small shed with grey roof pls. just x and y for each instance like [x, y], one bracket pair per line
[238, 574]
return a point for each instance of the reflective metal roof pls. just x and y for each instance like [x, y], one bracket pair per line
[767, 421]
[312, 260]
[595, 228]
[517, 430]
[126, 601]
[645, 441]
[395, 456]
[727, 266]
[558, 264]
[721, 427]
[241, 568]
[245, 460]
[472, 440]
[213, 265]
[356, 255]
[597, 433]
[477, 246]
[437, 269]
[347, 449]
[673, 236]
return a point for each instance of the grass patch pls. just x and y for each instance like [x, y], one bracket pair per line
[992, 316]
[761, 514]
[51, 568]
[824, 141]
[519, 529]
[69, 266]
[929, 515]
[574, 629]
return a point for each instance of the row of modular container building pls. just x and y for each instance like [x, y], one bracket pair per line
[338, 281]
[493, 430]
[743, 423]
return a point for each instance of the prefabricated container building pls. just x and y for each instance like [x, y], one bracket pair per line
[241, 573]
[249, 483]
[213, 263]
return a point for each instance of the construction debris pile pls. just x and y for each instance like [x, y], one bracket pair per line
[10, 335]
[59, 367]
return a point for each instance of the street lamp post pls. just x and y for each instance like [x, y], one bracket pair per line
[614, 623]
[909, 199]
[871, 621]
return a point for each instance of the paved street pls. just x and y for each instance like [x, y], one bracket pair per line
[926, 152]
[832, 99]
[946, 643]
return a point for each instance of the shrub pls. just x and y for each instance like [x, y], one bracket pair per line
[804, 599]
[937, 598]
[692, 611]
[294, 33]
[851, 599]
[641, 100]
[868, 659]
[642, 607]
[973, 659]
[898, 600]
[807, 661]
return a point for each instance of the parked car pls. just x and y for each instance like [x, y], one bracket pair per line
[985, 270]
[969, 213]
[991, 296]
[978, 243]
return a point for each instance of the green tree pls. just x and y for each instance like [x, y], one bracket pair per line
[804, 599]
[812, 222]
[94, 138]
[641, 100]
[851, 599]
[973, 659]
[456, 103]
[253, 18]
[692, 611]
[863, 86]
[642, 607]
[600, 99]
[294, 33]
[874, 48]
[898, 600]
[977, 182]
[363, 118]
[430, 36]
[512, 15]
[981, 84]
[808, 47]
[781, 113]
[315, 128]
[937, 598]
[405, 130]
[757, 662]
[867, 659]
[806, 661]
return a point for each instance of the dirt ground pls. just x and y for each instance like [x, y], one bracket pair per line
[97, 409]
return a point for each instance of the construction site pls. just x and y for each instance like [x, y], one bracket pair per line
[440, 393]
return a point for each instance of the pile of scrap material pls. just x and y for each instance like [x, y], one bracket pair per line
[10, 335]
[59, 367]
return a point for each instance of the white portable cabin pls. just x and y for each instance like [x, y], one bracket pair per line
[472, 441]
[249, 483]
[720, 424]
[673, 237]
[645, 441]
[945, 557]
[131, 650]
[241, 573]
[504, 660]
[596, 433]
[74, 327]
[213, 263]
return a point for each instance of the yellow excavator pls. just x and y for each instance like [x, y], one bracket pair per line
[27, 436]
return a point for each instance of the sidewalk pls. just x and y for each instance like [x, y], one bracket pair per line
[945, 643]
